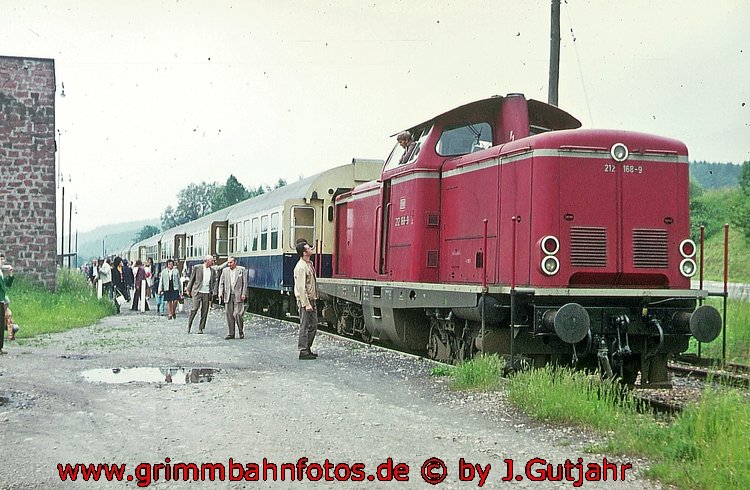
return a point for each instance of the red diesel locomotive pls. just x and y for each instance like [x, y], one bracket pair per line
[511, 230]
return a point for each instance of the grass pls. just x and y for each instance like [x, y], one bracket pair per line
[481, 373]
[739, 257]
[561, 395]
[704, 447]
[738, 332]
[38, 311]
[442, 370]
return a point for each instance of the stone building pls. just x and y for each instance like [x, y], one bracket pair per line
[28, 223]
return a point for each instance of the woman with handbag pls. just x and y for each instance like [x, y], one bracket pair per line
[169, 285]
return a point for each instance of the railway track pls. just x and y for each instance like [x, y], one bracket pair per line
[708, 362]
[666, 401]
[718, 376]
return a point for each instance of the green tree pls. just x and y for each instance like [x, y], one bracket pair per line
[193, 202]
[168, 219]
[257, 191]
[745, 178]
[146, 232]
[697, 209]
[230, 193]
[743, 206]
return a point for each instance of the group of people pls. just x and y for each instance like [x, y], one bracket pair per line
[229, 283]
[122, 283]
[232, 282]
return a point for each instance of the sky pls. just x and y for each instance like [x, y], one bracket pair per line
[161, 94]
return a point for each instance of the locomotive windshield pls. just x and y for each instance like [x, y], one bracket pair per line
[467, 138]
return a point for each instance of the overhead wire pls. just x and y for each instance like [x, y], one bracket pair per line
[580, 68]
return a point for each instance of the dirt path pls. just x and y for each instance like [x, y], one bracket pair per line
[352, 405]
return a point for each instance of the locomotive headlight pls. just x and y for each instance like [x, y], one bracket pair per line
[687, 267]
[619, 152]
[550, 265]
[687, 248]
[550, 245]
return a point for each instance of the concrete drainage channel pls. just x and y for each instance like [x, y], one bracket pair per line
[176, 375]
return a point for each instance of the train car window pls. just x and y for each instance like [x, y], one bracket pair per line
[464, 139]
[255, 233]
[264, 232]
[274, 231]
[330, 214]
[181, 252]
[303, 224]
[245, 235]
[231, 238]
[222, 240]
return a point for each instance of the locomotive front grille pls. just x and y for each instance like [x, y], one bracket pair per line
[650, 249]
[588, 246]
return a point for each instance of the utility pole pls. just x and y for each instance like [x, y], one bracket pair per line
[62, 229]
[70, 232]
[554, 53]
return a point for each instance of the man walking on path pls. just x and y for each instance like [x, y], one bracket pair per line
[199, 287]
[232, 289]
[306, 291]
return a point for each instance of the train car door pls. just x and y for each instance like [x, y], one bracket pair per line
[384, 218]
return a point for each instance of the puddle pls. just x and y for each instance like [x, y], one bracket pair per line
[150, 375]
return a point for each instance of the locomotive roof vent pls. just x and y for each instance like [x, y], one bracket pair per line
[619, 152]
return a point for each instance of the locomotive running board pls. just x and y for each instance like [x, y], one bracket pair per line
[351, 289]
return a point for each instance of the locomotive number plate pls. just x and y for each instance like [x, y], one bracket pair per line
[627, 169]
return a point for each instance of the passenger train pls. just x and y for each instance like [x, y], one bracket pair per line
[509, 230]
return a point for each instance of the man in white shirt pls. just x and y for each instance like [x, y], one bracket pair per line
[199, 287]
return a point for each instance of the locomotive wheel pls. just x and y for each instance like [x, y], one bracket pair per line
[432, 345]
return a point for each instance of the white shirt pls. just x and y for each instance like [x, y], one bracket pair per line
[232, 277]
[206, 284]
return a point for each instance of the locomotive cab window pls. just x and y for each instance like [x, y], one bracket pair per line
[419, 135]
[464, 139]
[303, 224]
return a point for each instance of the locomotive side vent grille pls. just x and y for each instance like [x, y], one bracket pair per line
[650, 249]
[432, 259]
[588, 246]
[433, 220]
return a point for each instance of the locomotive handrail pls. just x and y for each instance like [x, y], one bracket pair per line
[376, 248]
